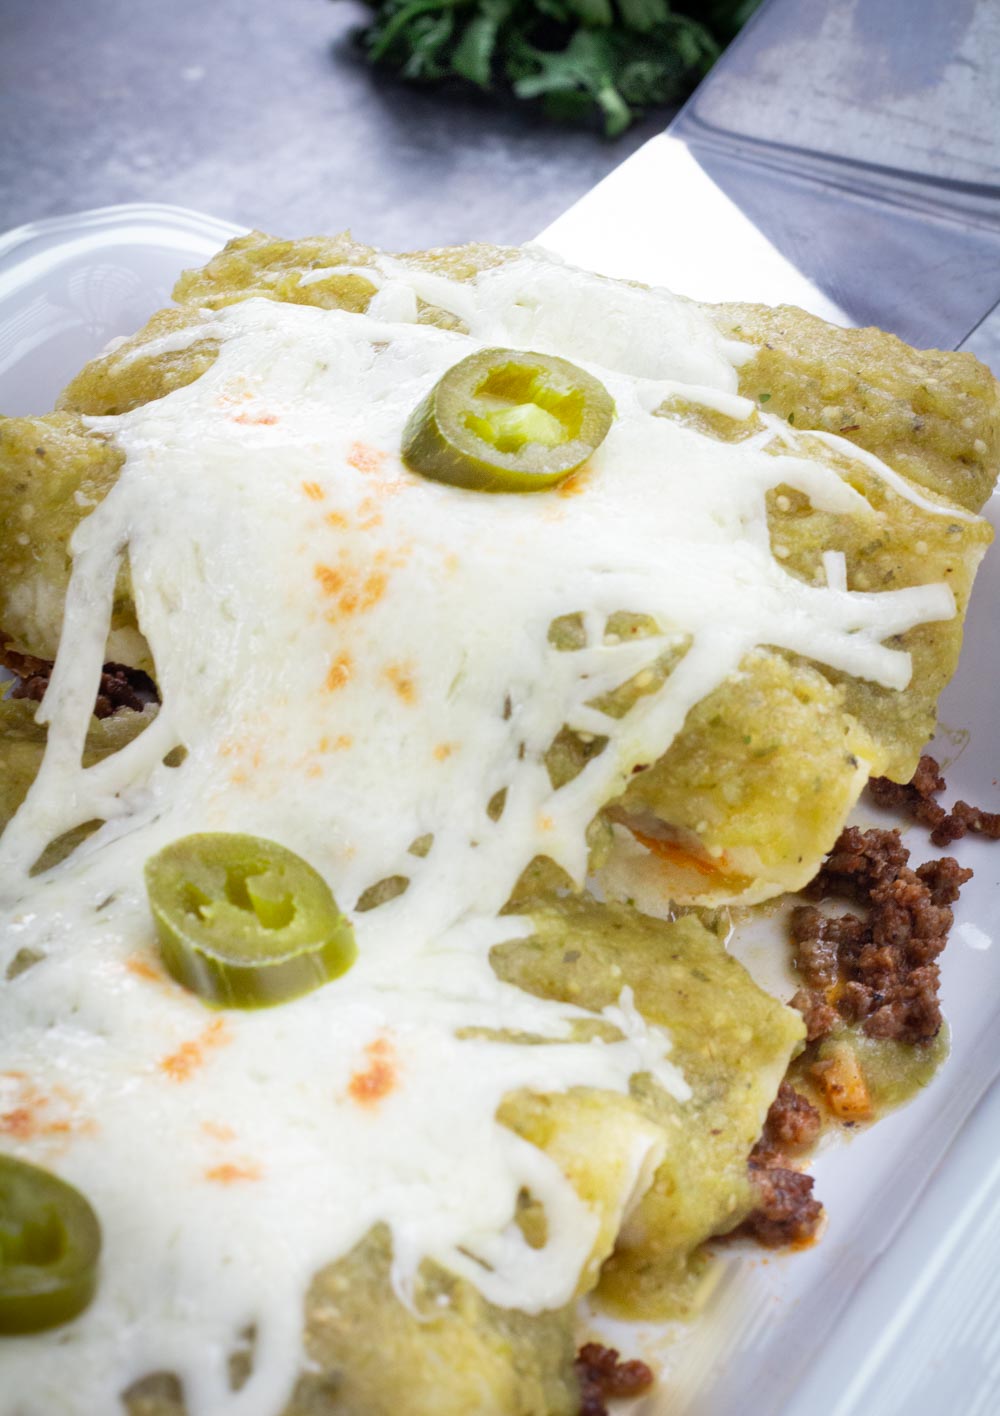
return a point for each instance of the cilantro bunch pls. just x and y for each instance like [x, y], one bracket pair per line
[578, 58]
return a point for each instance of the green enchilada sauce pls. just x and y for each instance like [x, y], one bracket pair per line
[893, 1071]
[732, 1042]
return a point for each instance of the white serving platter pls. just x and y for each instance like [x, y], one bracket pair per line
[897, 1309]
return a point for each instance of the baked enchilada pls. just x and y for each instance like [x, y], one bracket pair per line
[439, 586]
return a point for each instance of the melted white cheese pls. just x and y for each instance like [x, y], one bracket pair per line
[355, 657]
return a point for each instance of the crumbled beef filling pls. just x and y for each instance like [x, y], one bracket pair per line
[603, 1377]
[963, 818]
[877, 969]
[860, 862]
[120, 687]
[793, 1123]
[885, 963]
[786, 1212]
[820, 1016]
[917, 799]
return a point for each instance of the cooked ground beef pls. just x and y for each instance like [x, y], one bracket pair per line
[886, 961]
[792, 1123]
[603, 1377]
[944, 878]
[786, 1212]
[859, 863]
[963, 818]
[820, 1016]
[917, 799]
[877, 969]
[120, 687]
[819, 942]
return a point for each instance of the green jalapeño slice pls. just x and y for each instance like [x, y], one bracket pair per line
[50, 1241]
[505, 420]
[244, 922]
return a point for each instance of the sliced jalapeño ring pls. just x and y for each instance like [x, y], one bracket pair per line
[244, 922]
[50, 1242]
[507, 420]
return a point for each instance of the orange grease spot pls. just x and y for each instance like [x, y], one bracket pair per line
[19, 1123]
[330, 579]
[379, 1078]
[143, 967]
[247, 749]
[218, 1130]
[313, 491]
[340, 672]
[181, 1065]
[230, 1174]
[336, 518]
[444, 750]
[364, 598]
[575, 483]
[236, 394]
[365, 459]
[36, 1114]
[355, 593]
[256, 419]
[401, 678]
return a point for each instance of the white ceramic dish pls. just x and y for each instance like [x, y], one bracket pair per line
[897, 1309]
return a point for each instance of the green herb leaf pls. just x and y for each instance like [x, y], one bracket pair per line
[643, 15]
[610, 59]
[473, 56]
[595, 13]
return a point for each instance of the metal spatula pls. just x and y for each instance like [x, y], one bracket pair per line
[844, 155]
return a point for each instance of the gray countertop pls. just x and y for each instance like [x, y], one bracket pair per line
[260, 112]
